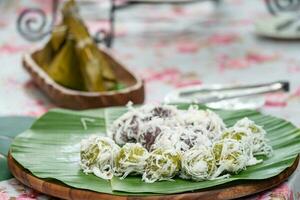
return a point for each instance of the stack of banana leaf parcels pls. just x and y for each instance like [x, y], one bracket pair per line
[71, 57]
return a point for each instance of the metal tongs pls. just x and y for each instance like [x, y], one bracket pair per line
[217, 93]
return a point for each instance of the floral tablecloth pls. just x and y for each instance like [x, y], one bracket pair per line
[175, 46]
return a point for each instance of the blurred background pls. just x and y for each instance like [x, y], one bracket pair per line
[168, 45]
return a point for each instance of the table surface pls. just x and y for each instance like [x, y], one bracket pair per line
[178, 45]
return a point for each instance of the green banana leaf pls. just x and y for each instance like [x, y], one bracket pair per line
[52, 144]
[10, 126]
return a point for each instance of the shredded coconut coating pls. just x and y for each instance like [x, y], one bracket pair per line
[97, 155]
[205, 119]
[150, 125]
[162, 141]
[256, 135]
[198, 163]
[130, 159]
[129, 127]
[181, 138]
[230, 155]
[150, 131]
[161, 165]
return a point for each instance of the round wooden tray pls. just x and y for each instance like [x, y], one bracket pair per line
[230, 191]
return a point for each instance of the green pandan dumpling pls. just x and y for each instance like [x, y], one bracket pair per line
[198, 163]
[236, 134]
[97, 156]
[230, 155]
[130, 159]
[162, 164]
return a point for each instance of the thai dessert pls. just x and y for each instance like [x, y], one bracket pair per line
[162, 142]
[198, 163]
[130, 159]
[149, 132]
[230, 156]
[162, 164]
[205, 119]
[256, 134]
[150, 125]
[97, 156]
[130, 126]
[181, 138]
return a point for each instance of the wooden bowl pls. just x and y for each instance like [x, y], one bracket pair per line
[74, 99]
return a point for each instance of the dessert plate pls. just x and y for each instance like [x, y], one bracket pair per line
[53, 143]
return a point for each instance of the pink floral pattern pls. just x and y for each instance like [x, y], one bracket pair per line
[247, 60]
[8, 48]
[187, 47]
[13, 190]
[282, 192]
[3, 196]
[276, 100]
[222, 39]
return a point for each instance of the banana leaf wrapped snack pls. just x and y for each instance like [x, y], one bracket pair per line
[46, 55]
[71, 57]
[64, 72]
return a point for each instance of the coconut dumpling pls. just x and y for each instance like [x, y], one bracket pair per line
[162, 164]
[181, 138]
[204, 119]
[193, 136]
[241, 135]
[170, 138]
[198, 163]
[192, 117]
[255, 143]
[97, 156]
[250, 125]
[159, 111]
[256, 134]
[126, 128]
[167, 139]
[230, 155]
[235, 133]
[214, 124]
[149, 132]
[245, 137]
[130, 159]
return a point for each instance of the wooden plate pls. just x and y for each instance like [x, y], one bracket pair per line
[68, 98]
[229, 191]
